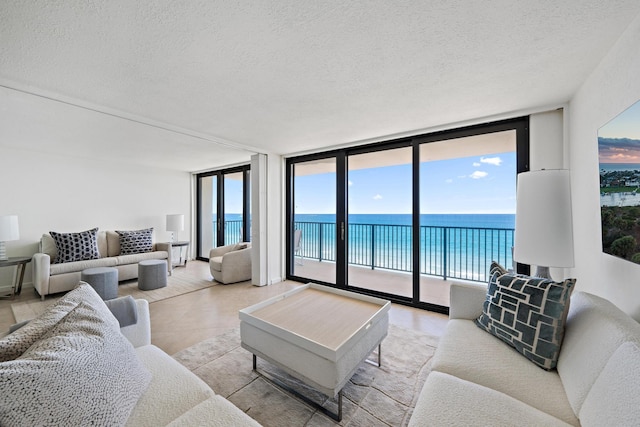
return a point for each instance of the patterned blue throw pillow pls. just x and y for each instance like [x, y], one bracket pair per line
[528, 313]
[136, 241]
[76, 246]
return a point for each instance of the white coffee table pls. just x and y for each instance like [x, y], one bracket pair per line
[317, 334]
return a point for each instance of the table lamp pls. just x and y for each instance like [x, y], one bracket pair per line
[8, 231]
[175, 223]
[544, 231]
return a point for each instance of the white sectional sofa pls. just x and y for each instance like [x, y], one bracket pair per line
[75, 365]
[50, 278]
[175, 396]
[478, 380]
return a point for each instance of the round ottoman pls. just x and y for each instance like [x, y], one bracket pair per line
[152, 274]
[103, 279]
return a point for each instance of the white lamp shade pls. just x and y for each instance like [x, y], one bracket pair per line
[9, 228]
[175, 222]
[544, 230]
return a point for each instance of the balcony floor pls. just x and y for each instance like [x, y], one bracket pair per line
[433, 289]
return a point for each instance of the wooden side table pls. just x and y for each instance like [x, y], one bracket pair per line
[20, 263]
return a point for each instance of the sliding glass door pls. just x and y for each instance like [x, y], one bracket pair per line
[379, 247]
[223, 209]
[401, 219]
[467, 209]
[313, 243]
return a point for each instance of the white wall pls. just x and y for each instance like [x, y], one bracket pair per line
[612, 87]
[67, 193]
[275, 219]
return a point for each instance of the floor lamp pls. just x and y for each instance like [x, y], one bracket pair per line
[8, 231]
[544, 230]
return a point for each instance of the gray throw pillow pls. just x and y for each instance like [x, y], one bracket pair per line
[528, 313]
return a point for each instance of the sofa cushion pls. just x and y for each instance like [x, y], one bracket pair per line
[449, 401]
[78, 266]
[136, 258]
[595, 329]
[76, 246]
[528, 313]
[469, 353]
[614, 398]
[136, 241]
[15, 344]
[171, 382]
[82, 372]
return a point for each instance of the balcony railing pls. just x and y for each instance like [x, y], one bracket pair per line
[232, 231]
[449, 252]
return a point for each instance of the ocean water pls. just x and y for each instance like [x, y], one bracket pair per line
[439, 220]
[618, 167]
[452, 245]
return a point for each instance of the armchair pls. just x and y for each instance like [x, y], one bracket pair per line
[231, 263]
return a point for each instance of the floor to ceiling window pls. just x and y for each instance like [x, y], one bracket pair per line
[314, 219]
[224, 210]
[402, 218]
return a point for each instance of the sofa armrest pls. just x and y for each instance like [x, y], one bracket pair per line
[166, 246]
[466, 300]
[41, 273]
[140, 333]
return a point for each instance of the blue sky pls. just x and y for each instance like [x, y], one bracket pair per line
[478, 184]
[625, 125]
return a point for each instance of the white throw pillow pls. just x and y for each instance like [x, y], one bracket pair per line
[13, 345]
[82, 372]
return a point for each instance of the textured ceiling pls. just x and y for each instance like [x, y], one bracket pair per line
[212, 81]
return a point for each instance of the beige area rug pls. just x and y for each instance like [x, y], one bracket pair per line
[176, 286]
[375, 396]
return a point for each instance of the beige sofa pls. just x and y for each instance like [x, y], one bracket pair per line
[477, 380]
[231, 263]
[51, 278]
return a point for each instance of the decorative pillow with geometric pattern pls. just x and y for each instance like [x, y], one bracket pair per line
[76, 246]
[136, 241]
[528, 313]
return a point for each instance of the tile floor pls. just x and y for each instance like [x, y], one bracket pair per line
[179, 322]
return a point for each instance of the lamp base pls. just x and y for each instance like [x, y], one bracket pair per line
[543, 272]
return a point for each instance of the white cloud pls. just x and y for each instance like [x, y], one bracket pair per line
[478, 175]
[476, 164]
[350, 183]
[377, 197]
[449, 181]
[496, 161]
